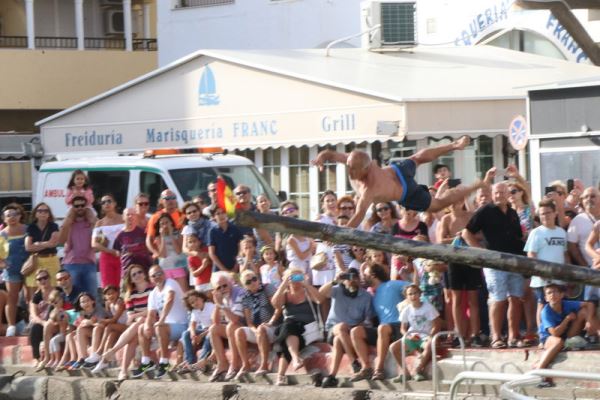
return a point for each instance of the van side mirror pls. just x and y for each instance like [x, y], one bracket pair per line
[282, 195]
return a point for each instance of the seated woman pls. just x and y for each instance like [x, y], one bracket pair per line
[261, 320]
[297, 298]
[39, 311]
[227, 318]
[136, 303]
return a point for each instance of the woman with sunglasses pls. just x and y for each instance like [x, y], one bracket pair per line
[42, 238]
[261, 320]
[14, 234]
[137, 290]
[298, 249]
[106, 230]
[293, 296]
[39, 310]
[194, 223]
[142, 209]
[383, 217]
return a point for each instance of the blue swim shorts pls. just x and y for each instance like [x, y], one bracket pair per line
[414, 196]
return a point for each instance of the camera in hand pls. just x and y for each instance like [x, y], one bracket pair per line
[452, 183]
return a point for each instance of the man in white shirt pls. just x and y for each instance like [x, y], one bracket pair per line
[167, 319]
[578, 233]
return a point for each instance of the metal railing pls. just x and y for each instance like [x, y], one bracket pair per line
[509, 389]
[63, 42]
[473, 376]
[434, 371]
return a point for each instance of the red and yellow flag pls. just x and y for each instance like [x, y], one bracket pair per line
[225, 197]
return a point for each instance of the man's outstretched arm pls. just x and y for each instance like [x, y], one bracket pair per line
[327, 156]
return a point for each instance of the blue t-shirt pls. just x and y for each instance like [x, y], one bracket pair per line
[551, 319]
[226, 244]
[387, 296]
[351, 310]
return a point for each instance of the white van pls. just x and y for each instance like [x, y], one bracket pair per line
[126, 176]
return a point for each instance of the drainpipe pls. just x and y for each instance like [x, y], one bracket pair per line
[30, 24]
[79, 24]
[127, 24]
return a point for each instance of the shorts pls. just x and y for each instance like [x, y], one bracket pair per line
[251, 336]
[175, 273]
[175, 331]
[372, 334]
[591, 294]
[414, 196]
[11, 275]
[501, 284]
[415, 344]
[464, 277]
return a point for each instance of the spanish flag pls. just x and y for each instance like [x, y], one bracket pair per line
[225, 198]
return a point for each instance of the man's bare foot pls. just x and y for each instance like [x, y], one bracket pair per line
[462, 142]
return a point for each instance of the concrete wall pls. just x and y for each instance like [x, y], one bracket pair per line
[57, 79]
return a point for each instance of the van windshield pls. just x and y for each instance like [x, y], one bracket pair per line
[194, 181]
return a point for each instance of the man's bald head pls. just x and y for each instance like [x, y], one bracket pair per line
[358, 164]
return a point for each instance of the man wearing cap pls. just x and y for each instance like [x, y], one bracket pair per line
[350, 307]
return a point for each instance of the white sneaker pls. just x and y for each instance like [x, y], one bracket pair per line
[11, 331]
[93, 358]
[101, 366]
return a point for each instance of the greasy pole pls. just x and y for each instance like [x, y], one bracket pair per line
[464, 255]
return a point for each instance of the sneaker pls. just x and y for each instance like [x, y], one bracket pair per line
[546, 383]
[142, 369]
[476, 342]
[162, 370]
[419, 377]
[330, 382]
[575, 343]
[11, 331]
[356, 366]
[100, 366]
[592, 340]
[76, 366]
[89, 365]
[92, 359]
[455, 343]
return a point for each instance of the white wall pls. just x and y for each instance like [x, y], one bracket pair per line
[255, 24]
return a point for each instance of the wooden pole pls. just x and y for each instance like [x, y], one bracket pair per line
[463, 255]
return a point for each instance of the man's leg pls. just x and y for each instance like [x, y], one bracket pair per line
[342, 332]
[552, 347]
[474, 318]
[431, 153]
[338, 353]
[359, 341]
[384, 333]
[514, 317]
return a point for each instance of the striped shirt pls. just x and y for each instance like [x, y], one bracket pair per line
[137, 301]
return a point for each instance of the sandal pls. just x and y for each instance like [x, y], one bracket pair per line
[378, 375]
[281, 380]
[365, 373]
[531, 340]
[241, 373]
[298, 365]
[513, 343]
[261, 372]
[498, 344]
[232, 373]
[217, 376]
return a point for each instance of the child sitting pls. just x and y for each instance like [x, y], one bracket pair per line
[420, 321]
[58, 320]
[562, 321]
[247, 258]
[271, 271]
[201, 311]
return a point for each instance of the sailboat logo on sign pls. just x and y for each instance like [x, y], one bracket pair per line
[207, 89]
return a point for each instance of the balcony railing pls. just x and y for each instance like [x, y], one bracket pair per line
[54, 42]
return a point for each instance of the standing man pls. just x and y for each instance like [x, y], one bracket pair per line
[131, 243]
[502, 232]
[374, 184]
[578, 234]
[212, 195]
[224, 241]
[167, 319]
[387, 296]
[244, 203]
[76, 234]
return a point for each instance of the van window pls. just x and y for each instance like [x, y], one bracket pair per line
[152, 184]
[115, 182]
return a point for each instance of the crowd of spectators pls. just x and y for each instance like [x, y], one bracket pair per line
[188, 279]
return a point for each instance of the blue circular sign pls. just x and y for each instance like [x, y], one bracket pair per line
[517, 132]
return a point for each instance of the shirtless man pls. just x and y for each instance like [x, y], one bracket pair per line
[374, 184]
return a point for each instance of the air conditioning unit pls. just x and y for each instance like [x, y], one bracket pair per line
[398, 20]
[114, 23]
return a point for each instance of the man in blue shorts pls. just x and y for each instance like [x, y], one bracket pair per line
[374, 184]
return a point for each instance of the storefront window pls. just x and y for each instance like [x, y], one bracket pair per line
[299, 188]
[560, 160]
[475, 159]
[272, 167]
[447, 160]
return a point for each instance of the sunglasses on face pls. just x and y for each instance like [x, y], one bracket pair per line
[9, 214]
[64, 278]
[589, 196]
[347, 208]
[223, 286]
[249, 281]
[241, 193]
[514, 191]
[156, 275]
[380, 209]
[78, 205]
[169, 197]
[42, 211]
[212, 190]
[42, 278]
[143, 203]
[289, 210]
[107, 201]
